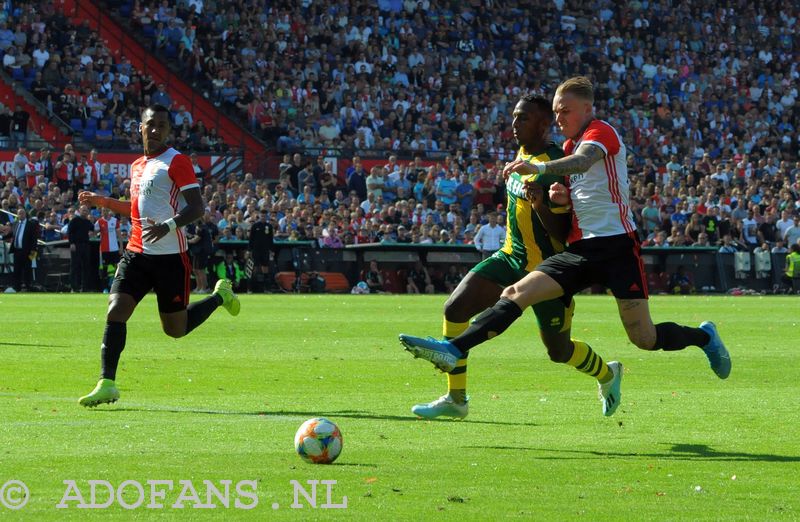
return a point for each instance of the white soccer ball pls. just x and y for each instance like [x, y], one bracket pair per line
[318, 441]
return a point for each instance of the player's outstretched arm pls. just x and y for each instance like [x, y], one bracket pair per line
[577, 163]
[95, 200]
[583, 158]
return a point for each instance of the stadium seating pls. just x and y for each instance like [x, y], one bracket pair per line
[335, 282]
[66, 86]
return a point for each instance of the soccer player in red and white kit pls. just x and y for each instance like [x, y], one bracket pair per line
[165, 197]
[110, 247]
[603, 248]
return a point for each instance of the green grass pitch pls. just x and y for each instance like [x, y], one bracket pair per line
[224, 403]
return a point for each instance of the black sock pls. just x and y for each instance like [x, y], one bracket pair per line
[490, 323]
[111, 349]
[671, 336]
[200, 311]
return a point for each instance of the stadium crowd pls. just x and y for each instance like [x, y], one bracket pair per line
[71, 71]
[435, 76]
[408, 203]
[706, 104]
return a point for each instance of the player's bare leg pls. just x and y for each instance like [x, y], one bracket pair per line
[635, 316]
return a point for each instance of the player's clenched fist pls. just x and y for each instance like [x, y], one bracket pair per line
[88, 198]
[559, 194]
[534, 192]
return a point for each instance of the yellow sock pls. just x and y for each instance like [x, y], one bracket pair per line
[587, 361]
[451, 329]
[456, 379]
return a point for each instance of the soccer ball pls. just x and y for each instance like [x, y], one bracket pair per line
[318, 441]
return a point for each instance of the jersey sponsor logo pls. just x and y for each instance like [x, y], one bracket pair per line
[516, 187]
[575, 178]
[146, 187]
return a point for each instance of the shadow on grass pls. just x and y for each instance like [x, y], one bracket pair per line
[34, 345]
[675, 452]
[347, 414]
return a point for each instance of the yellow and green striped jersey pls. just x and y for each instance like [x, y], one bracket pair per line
[526, 238]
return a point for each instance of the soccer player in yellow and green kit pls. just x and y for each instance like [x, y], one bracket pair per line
[535, 230]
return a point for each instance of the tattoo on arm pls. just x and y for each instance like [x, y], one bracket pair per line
[583, 158]
[629, 304]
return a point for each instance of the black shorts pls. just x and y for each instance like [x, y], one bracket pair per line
[167, 274]
[612, 261]
[110, 258]
[200, 260]
[260, 257]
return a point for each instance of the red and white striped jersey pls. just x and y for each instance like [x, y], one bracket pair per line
[108, 234]
[600, 195]
[156, 186]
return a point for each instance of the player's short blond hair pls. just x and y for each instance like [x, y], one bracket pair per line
[579, 86]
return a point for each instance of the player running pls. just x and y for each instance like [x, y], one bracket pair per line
[603, 245]
[530, 219]
[165, 197]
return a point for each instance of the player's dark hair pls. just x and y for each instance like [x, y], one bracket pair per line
[156, 108]
[541, 103]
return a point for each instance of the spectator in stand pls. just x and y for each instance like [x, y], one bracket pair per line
[779, 248]
[5, 127]
[792, 234]
[680, 283]
[19, 126]
[452, 278]
[65, 170]
[160, 97]
[183, 116]
[419, 280]
[374, 278]
[728, 246]
[199, 173]
[375, 182]
[702, 241]
[78, 231]
[22, 235]
[33, 170]
[484, 189]
[446, 188]
[489, 237]
[357, 179]
[20, 165]
[749, 234]
[201, 247]
[465, 193]
[230, 268]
